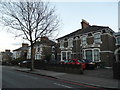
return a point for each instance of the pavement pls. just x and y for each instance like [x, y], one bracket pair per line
[99, 77]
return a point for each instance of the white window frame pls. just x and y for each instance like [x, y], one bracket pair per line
[37, 56]
[53, 48]
[70, 42]
[84, 54]
[85, 41]
[98, 55]
[66, 53]
[96, 39]
[117, 40]
[62, 44]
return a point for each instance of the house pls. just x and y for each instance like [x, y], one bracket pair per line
[6, 56]
[21, 53]
[44, 49]
[94, 43]
[0, 57]
[117, 51]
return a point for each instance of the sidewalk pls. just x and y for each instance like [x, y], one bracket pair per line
[90, 77]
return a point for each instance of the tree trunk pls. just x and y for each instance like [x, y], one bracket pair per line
[32, 58]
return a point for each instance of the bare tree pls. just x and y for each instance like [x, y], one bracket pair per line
[31, 20]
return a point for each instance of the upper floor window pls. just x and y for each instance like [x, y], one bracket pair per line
[83, 40]
[89, 34]
[61, 44]
[118, 40]
[38, 49]
[53, 48]
[70, 42]
[97, 38]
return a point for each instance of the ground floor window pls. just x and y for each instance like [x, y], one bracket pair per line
[66, 55]
[37, 57]
[117, 54]
[53, 57]
[96, 55]
[89, 55]
[92, 55]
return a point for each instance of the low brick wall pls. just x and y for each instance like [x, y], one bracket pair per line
[116, 70]
[62, 68]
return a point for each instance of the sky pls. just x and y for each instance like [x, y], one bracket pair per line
[71, 15]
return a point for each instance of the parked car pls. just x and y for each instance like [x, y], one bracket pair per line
[89, 64]
[78, 62]
[25, 63]
[74, 62]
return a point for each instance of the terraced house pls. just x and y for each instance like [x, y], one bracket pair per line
[91, 42]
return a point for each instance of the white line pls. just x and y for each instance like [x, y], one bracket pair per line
[62, 85]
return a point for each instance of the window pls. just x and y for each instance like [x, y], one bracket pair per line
[103, 31]
[63, 55]
[38, 49]
[84, 40]
[92, 55]
[118, 40]
[61, 44]
[66, 55]
[97, 38]
[53, 49]
[37, 57]
[89, 55]
[70, 42]
[96, 55]
[89, 34]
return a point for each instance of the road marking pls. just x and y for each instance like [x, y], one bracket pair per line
[62, 85]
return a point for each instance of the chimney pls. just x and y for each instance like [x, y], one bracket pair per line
[84, 24]
[24, 45]
[7, 50]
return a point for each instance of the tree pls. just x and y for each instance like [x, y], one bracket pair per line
[31, 20]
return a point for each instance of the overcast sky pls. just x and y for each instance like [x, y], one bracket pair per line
[71, 14]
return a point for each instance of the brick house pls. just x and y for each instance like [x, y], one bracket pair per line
[94, 43]
[44, 49]
[21, 53]
[117, 51]
[6, 56]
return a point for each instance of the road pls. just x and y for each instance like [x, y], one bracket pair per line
[16, 79]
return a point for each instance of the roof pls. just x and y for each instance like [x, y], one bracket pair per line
[93, 28]
[21, 48]
[48, 42]
[117, 34]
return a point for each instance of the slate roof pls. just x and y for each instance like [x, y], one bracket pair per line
[93, 28]
[21, 48]
[46, 42]
[117, 34]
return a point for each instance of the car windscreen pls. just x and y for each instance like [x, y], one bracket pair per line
[80, 61]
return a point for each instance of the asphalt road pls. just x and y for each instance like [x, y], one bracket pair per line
[16, 79]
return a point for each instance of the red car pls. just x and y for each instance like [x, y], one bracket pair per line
[77, 62]
[89, 64]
